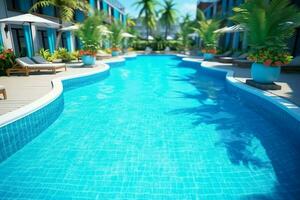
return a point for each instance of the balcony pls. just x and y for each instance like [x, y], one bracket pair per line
[116, 4]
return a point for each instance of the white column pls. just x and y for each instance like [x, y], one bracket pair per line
[6, 37]
[35, 39]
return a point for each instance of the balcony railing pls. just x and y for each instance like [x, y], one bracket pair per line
[117, 4]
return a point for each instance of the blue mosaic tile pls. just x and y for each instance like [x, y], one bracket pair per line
[156, 128]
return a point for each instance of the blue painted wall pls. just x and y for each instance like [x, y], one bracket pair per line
[124, 20]
[1, 42]
[24, 5]
[79, 16]
[69, 41]
[49, 11]
[93, 4]
[236, 39]
[208, 13]
[116, 14]
[28, 40]
[105, 6]
[224, 7]
[51, 39]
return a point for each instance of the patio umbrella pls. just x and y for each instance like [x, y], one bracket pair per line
[104, 30]
[169, 37]
[150, 37]
[127, 35]
[231, 29]
[235, 29]
[31, 19]
[70, 28]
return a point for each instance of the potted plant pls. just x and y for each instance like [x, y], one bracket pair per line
[207, 31]
[88, 57]
[7, 60]
[90, 36]
[269, 25]
[116, 29]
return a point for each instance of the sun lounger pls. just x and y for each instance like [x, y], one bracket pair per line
[40, 60]
[3, 91]
[26, 65]
[242, 63]
[229, 59]
[167, 50]
[148, 50]
[227, 53]
[102, 55]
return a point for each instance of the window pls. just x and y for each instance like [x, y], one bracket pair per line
[43, 39]
[13, 5]
[19, 42]
[19, 5]
[101, 4]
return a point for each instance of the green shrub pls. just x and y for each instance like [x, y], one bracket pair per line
[45, 53]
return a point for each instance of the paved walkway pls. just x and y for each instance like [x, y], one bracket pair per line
[290, 82]
[22, 90]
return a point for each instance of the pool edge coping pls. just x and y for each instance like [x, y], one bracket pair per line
[282, 103]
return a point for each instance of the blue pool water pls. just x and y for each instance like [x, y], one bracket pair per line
[156, 128]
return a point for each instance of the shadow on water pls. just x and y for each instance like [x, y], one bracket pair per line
[239, 130]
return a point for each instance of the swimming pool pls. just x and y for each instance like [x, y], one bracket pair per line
[155, 128]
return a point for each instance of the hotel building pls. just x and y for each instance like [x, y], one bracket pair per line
[26, 40]
[235, 40]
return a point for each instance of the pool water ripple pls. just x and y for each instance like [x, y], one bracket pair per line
[156, 128]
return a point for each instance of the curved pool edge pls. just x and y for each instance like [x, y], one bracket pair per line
[21, 126]
[56, 91]
[273, 100]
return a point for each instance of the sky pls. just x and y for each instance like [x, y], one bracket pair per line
[183, 7]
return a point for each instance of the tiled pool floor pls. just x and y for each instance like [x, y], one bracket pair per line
[155, 129]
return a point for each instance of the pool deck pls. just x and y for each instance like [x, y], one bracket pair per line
[22, 90]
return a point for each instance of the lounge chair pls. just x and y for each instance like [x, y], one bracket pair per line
[167, 50]
[148, 50]
[294, 66]
[229, 59]
[102, 55]
[26, 65]
[3, 91]
[242, 63]
[227, 53]
[40, 60]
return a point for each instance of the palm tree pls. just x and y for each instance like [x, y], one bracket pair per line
[130, 21]
[89, 32]
[147, 11]
[269, 24]
[66, 10]
[116, 36]
[185, 30]
[206, 30]
[168, 15]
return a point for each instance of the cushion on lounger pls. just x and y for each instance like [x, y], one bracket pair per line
[25, 61]
[40, 60]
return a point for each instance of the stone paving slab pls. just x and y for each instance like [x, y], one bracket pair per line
[22, 90]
